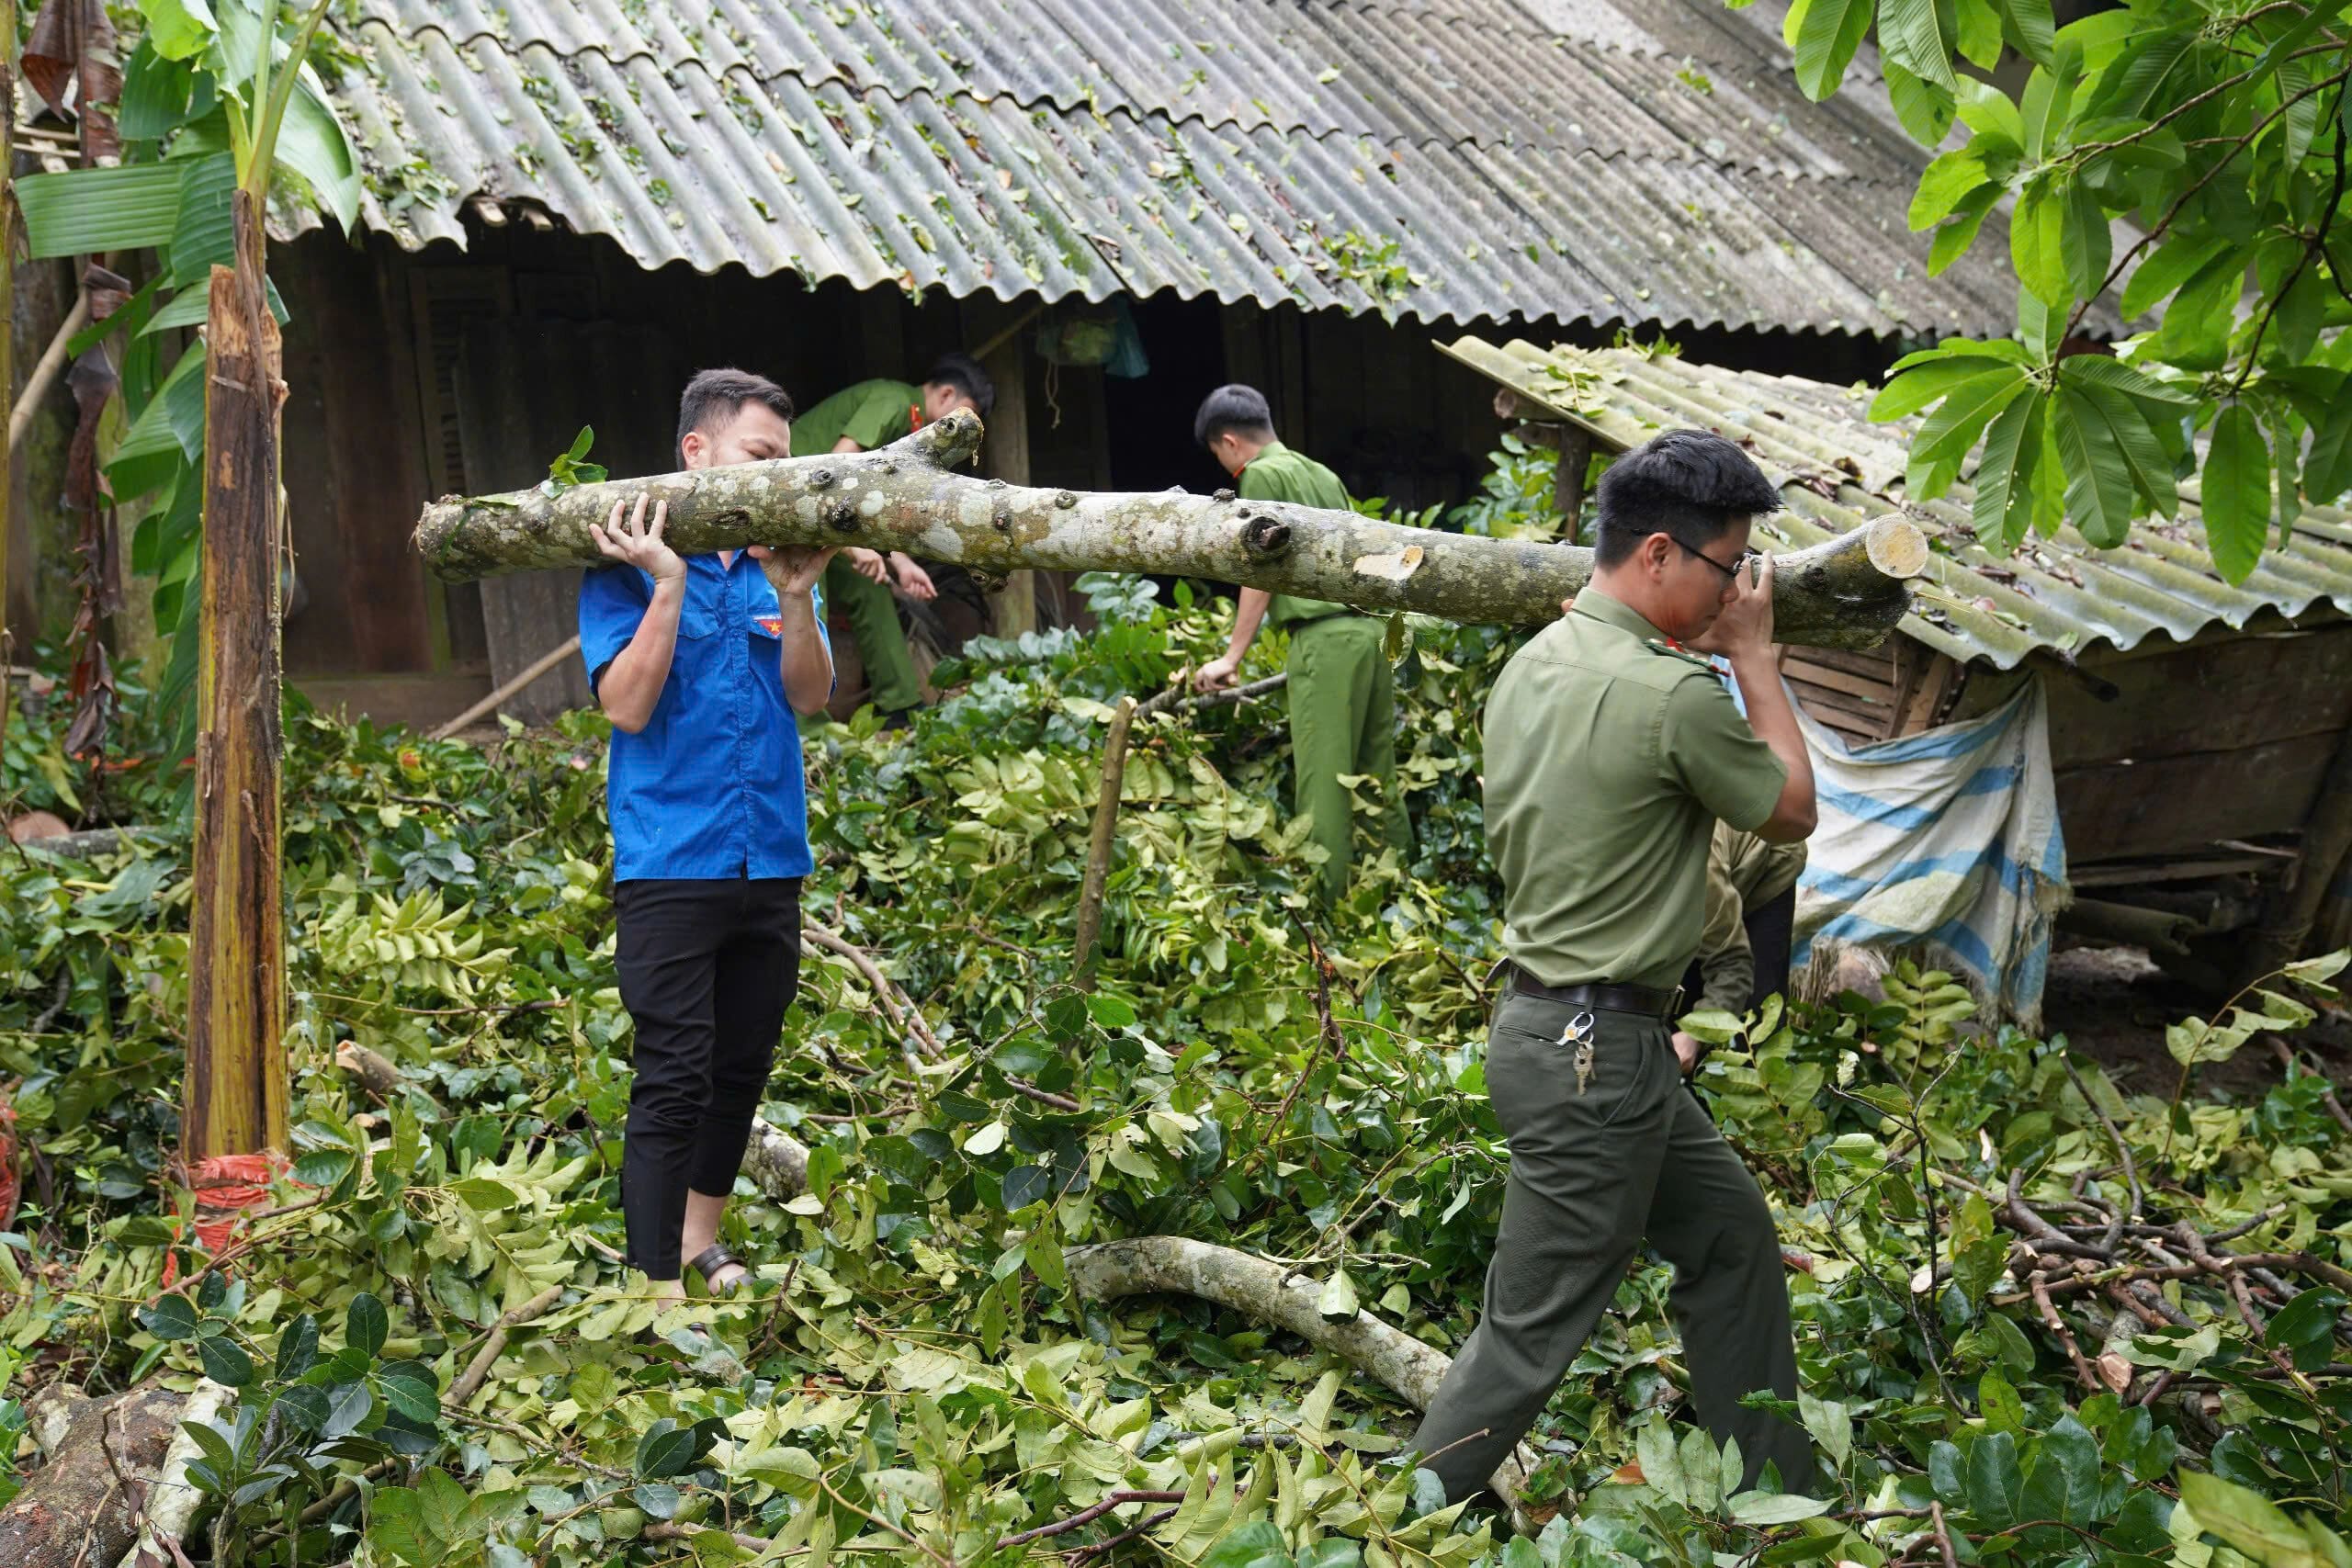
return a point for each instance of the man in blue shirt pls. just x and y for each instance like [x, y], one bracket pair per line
[701, 663]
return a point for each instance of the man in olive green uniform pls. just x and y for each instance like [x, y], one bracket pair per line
[1342, 700]
[1610, 752]
[856, 419]
[1743, 939]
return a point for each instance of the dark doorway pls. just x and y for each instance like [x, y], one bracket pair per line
[1150, 417]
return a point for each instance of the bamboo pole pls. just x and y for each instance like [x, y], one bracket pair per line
[53, 359]
[234, 1094]
[532, 671]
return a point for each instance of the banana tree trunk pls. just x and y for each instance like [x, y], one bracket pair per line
[1848, 592]
[234, 1094]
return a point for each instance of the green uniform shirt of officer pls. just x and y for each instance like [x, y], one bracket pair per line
[859, 418]
[1611, 754]
[1342, 697]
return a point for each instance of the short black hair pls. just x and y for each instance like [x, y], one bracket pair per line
[713, 397]
[1233, 407]
[963, 372]
[1689, 484]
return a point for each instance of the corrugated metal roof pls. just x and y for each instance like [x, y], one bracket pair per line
[1478, 70]
[1838, 469]
[1072, 147]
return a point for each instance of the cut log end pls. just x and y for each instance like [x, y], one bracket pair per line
[1897, 548]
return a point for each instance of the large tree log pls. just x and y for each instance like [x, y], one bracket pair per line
[115, 1478]
[1848, 592]
[1162, 1265]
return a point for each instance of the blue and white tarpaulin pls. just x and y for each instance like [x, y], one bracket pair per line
[1944, 845]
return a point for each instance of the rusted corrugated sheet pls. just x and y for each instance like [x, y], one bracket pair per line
[2057, 595]
[1441, 159]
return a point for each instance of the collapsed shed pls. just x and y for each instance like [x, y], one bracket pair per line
[2197, 735]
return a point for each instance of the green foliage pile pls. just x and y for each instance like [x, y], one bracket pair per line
[913, 1380]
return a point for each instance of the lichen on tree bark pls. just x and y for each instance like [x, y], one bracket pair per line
[1848, 592]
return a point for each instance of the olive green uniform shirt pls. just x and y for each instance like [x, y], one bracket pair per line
[1611, 754]
[1277, 473]
[1743, 872]
[872, 414]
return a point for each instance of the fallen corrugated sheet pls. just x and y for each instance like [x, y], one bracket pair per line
[2057, 595]
[941, 187]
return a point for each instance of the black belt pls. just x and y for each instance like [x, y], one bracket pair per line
[1651, 1001]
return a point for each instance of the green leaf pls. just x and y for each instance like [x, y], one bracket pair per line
[2037, 240]
[444, 1505]
[1258, 1544]
[667, 1450]
[2102, 370]
[2063, 1480]
[312, 144]
[348, 1407]
[225, 1361]
[1023, 1185]
[2195, 332]
[485, 1196]
[2144, 456]
[2004, 1411]
[1910, 391]
[2083, 241]
[2174, 263]
[1993, 1481]
[202, 239]
[1766, 1509]
[2100, 500]
[1985, 107]
[366, 1327]
[1978, 32]
[2236, 484]
[297, 1346]
[1951, 176]
[1337, 1300]
[412, 1389]
[2003, 508]
[1908, 36]
[1953, 429]
[2247, 1520]
[1824, 34]
[1111, 1012]
[177, 29]
[2306, 1329]
[169, 1317]
[1924, 110]
[2030, 27]
[132, 207]
[159, 96]
[1960, 231]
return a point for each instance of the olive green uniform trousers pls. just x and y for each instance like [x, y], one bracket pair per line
[1343, 720]
[891, 683]
[1601, 1161]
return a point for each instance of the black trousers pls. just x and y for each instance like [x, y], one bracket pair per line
[707, 969]
[1771, 926]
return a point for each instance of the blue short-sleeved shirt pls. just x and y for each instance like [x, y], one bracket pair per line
[711, 787]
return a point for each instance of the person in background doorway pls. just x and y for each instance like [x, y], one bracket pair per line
[1751, 913]
[858, 419]
[1342, 698]
[701, 662]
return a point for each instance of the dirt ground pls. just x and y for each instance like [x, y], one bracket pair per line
[2111, 1003]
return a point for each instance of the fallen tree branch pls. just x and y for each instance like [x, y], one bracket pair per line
[1848, 592]
[173, 1498]
[897, 1006]
[495, 1345]
[1176, 1265]
[776, 1162]
[1105, 832]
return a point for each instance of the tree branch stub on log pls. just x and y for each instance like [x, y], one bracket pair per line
[1848, 592]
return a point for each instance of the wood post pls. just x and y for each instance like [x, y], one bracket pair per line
[1012, 609]
[234, 1096]
[7, 326]
[1568, 484]
[1098, 849]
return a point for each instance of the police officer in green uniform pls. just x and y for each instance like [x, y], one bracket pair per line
[1342, 700]
[1612, 751]
[856, 419]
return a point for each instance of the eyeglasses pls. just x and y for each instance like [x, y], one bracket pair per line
[1741, 568]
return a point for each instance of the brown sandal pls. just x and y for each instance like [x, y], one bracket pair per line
[711, 1260]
